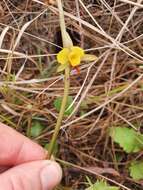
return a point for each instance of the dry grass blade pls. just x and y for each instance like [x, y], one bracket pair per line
[24, 27]
[3, 35]
[133, 3]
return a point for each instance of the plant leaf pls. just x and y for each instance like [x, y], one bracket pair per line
[127, 138]
[36, 129]
[136, 170]
[102, 185]
[88, 57]
[62, 67]
[58, 102]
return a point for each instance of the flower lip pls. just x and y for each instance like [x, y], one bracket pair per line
[74, 59]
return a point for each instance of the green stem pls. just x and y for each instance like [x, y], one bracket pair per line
[67, 42]
[62, 111]
[62, 19]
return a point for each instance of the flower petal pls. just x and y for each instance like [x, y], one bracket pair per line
[62, 56]
[77, 50]
[74, 59]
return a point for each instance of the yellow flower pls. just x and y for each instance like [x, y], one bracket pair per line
[71, 55]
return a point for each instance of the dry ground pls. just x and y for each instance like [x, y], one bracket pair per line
[110, 90]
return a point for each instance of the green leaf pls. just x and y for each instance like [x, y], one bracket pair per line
[57, 105]
[36, 129]
[82, 113]
[127, 138]
[83, 105]
[102, 185]
[136, 170]
[62, 67]
[118, 157]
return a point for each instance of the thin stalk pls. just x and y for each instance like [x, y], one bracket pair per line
[62, 111]
[62, 19]
[67, 42]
